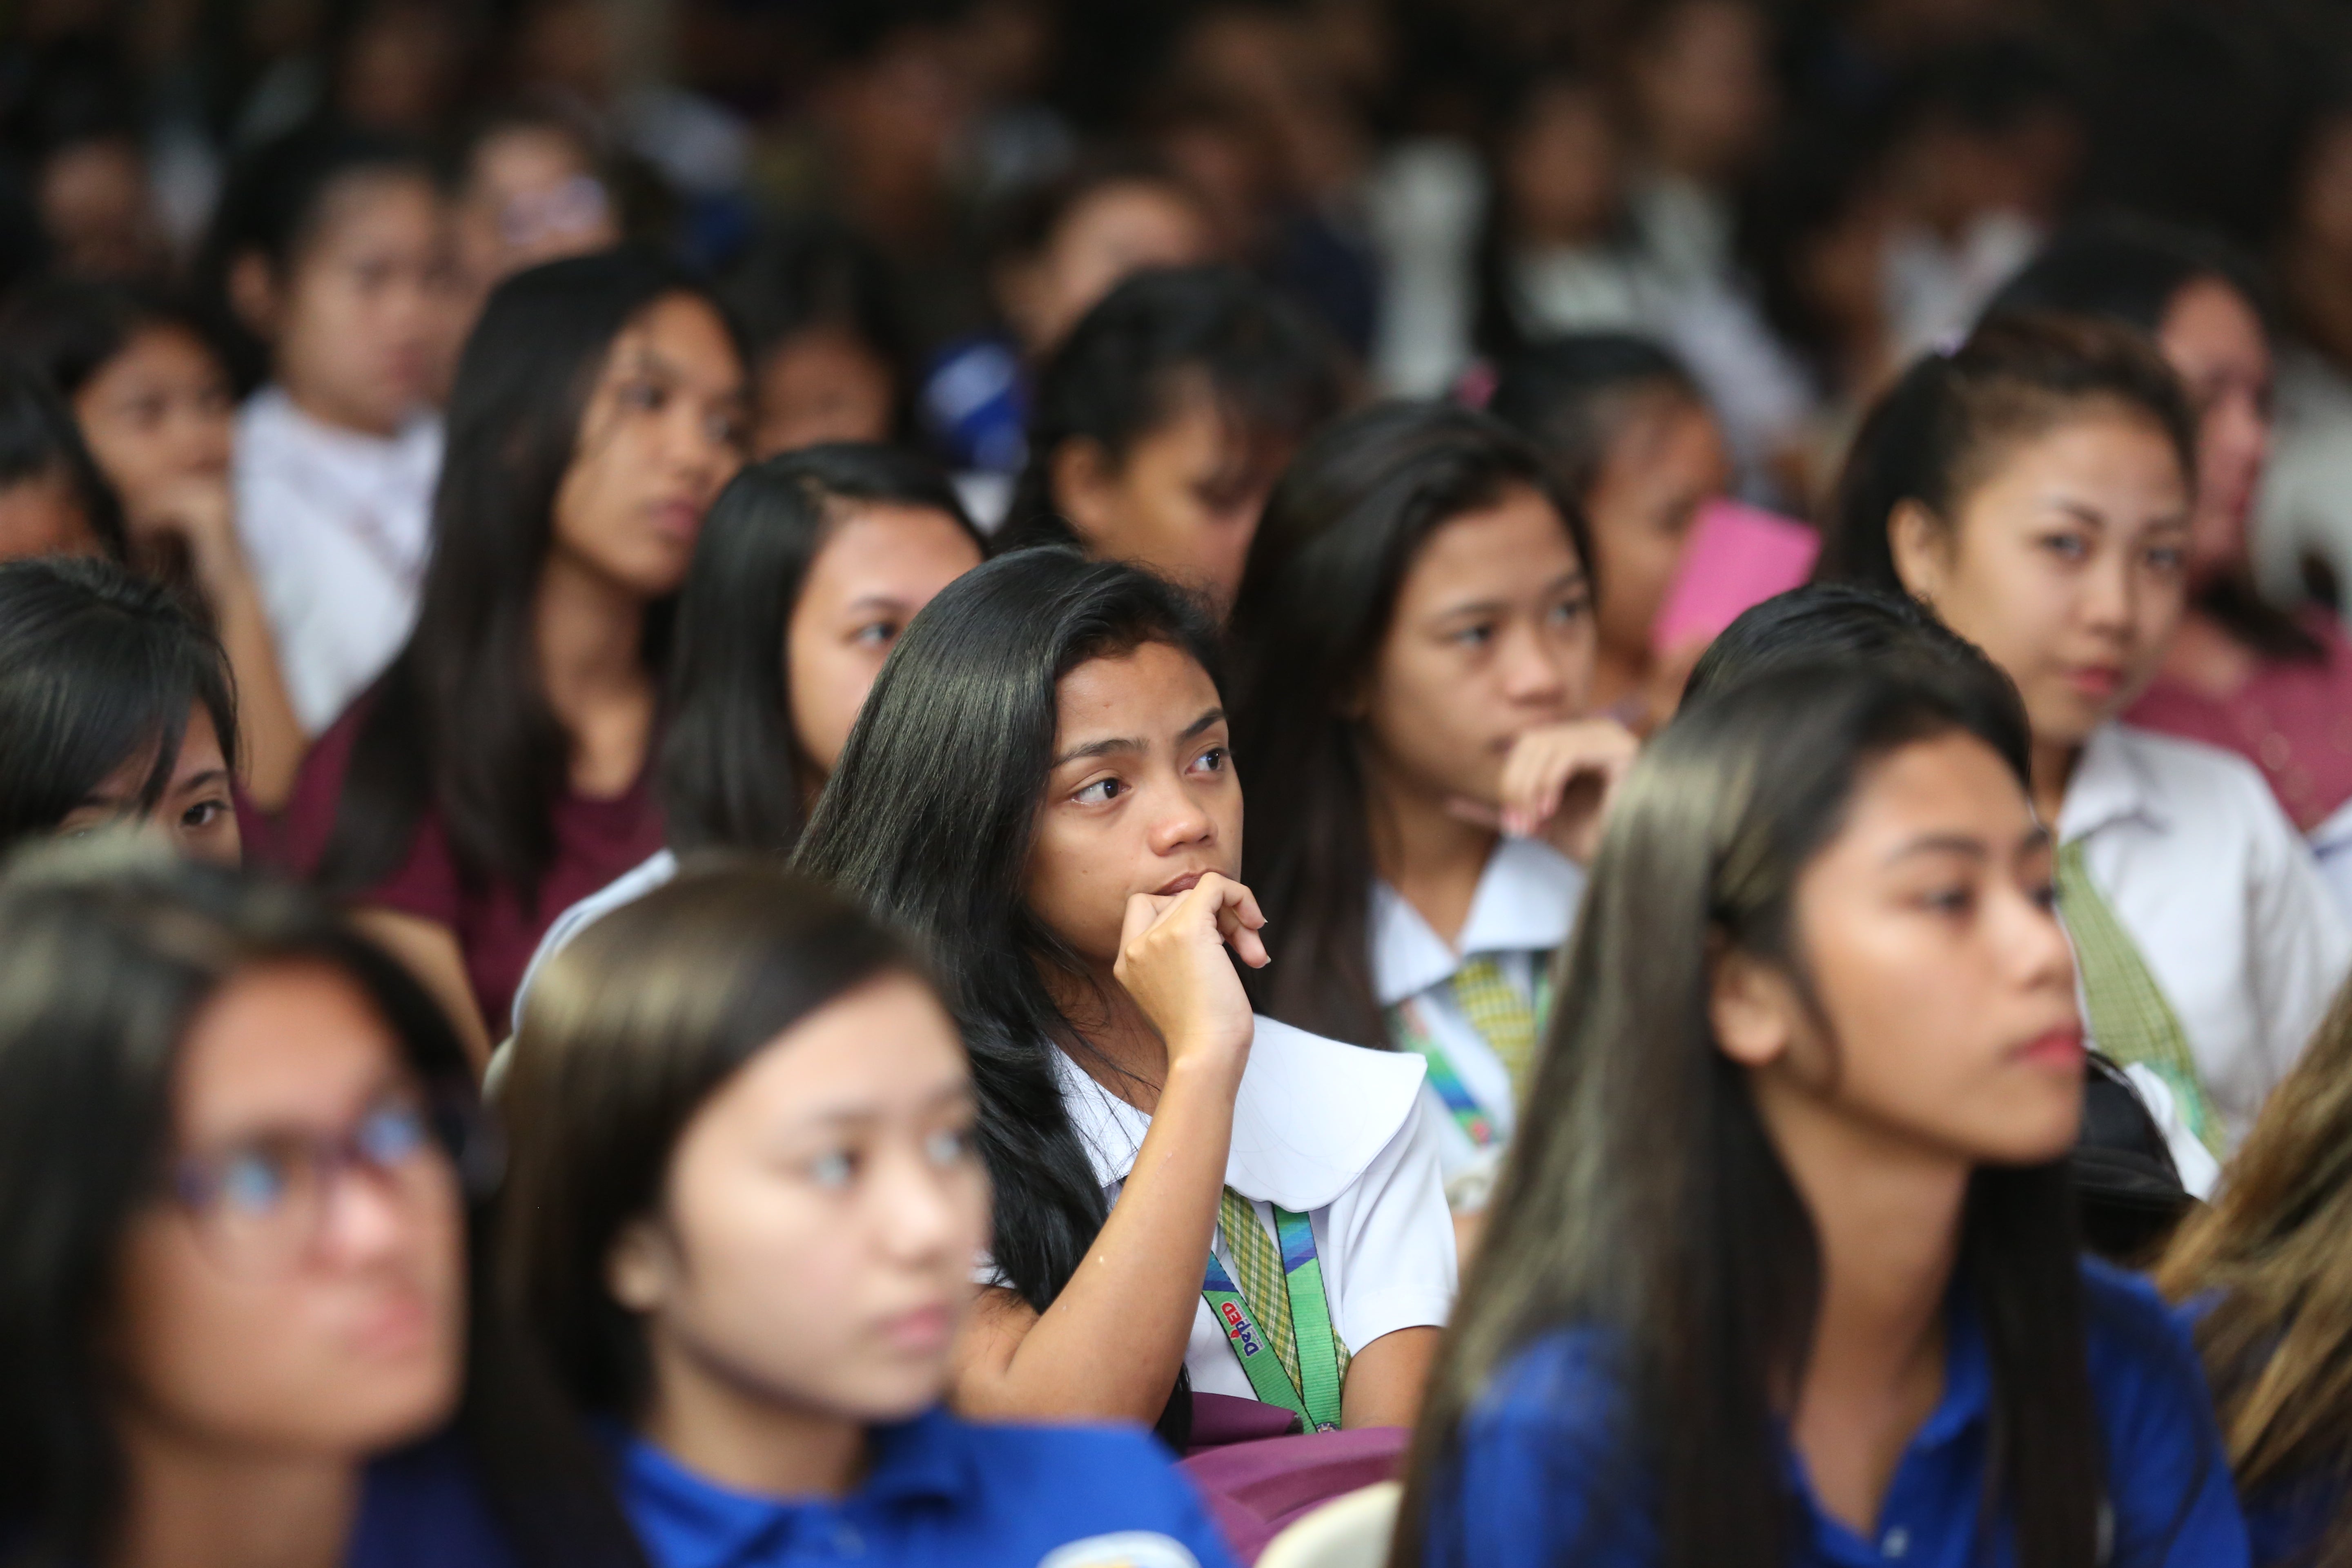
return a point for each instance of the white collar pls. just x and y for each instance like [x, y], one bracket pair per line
[2114, 782]
[1311, 1114]
[273, 413]
[1526, 902]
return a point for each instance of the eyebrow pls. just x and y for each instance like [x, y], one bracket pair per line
[1574, 578]
[1110, 744]
[1964, 844]
[962, 1093]
[878, 602]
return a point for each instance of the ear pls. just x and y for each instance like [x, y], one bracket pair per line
[1754, 1009]
[1922, 548]
[1085, 480]
[638, 1269]
[253, 293]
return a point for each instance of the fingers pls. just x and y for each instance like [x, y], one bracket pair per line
[1544, 764]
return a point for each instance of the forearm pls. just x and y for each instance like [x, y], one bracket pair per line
[1110, 1346]
[270, 737]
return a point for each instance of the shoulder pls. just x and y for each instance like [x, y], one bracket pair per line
[2141, 1358]
[2189, 774]
[1567, 1386]
[425, 1504]
[307, 819]
[1064, 1487]
[1313, 1114]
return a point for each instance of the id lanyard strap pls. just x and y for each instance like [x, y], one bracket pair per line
[1412, 1032]
[1317, 1404]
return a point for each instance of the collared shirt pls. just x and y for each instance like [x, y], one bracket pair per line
[2220, 891]
[1330, 1132]
[423, 1506]
[656, 870]
[1543, 1474]
[1521, 912]
[942, 1493]
[336, 525]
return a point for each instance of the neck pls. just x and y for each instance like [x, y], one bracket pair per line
[723, 1432]
[1887, 1216]
[2054, 771]
[1430, 857]
[1127, 1055]
[589, 633]
[194, 1505]
[326, 411]
[1617, 674]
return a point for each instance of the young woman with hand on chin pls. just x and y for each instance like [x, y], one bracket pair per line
[743, 1206]
[499, 770]
[1415, 644]
[2034, 489]
[807, 570]
[1782, 1268]
[1039, 790]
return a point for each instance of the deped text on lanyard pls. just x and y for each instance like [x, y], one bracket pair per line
[1280, 1298]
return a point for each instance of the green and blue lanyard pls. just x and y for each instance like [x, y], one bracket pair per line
[1322, 1360]
[1408, 1029]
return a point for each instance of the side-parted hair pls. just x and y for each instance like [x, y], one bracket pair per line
[109, 951]
[633, 1029]
[731, 772]
[2273, 1257]
[930, 819]
[97, 668]
[69, 329]
[459, 722]
[1571, 395]
[1643, 1202]
[1273, 373]
[1343, 528]
[1937, 434]
[40, 440]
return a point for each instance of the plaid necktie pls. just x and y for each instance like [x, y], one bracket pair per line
[1258, 1275]
[2130, 1019]
[1504, 1019]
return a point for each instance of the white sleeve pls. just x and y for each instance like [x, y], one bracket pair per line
[2298, 942]
[1391, 1241]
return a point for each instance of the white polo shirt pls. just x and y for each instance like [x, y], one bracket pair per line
[1324, 1129]
[1523, 909]
[336, 526]
[2222, 896]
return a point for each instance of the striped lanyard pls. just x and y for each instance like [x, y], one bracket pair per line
[1410, 1031]
[1291, 1314]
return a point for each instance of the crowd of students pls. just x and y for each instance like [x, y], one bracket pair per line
[604, 959]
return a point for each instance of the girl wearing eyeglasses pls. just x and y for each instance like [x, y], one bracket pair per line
[233, 1322]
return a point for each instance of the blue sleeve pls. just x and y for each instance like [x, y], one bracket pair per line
[1540, 1473]
[1108, 1479]
[2168, 1476]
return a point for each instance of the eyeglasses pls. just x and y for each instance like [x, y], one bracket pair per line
[261, 1205]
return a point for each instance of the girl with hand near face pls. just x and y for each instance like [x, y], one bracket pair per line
[153, 402]
[2035, 489]
[238, 1332]
[809, 568]
[117, 707]
[330, 253]
[1039, 790]
[743, 1202]
[500, 771]
[1782, 1268]
[1415, 641]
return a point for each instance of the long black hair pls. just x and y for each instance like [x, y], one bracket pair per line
[731, 770]
[97, 668]
[1932, 437]
[108, 954]
[930, 820]
[1340, 533]
[40, 440]
[459, 722]
[1118, 377]
[633, 1028]
[2132, 271]
[1571, 395]
[1643, 1198]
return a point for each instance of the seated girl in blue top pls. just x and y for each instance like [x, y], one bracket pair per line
[2261, 1280]
[1782, 1267]
[742, 1207]
[233, 1152]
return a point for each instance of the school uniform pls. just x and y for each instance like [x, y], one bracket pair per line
[942, 1493]
[656, 870]
[423, 1508]
[336, 526]
[1543, 1472]
[1332, 1192]
[2198, 918]
[1442, 1001]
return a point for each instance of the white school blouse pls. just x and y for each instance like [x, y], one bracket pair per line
[336, 526]
[1522, 911]
[2212, 881]
[1324, 1129]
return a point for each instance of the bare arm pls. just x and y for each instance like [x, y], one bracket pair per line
[1111, 1343]
[431, 953]
[1386, 1378]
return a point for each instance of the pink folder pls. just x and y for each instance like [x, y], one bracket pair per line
[1738, 556]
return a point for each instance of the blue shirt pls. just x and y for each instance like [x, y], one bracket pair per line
[1544, 1445]
[421, 1508]
[2284, 1521]
[941, 1492]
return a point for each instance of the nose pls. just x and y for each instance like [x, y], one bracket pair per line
[2042, 953]
[917, 1211]
[362, 1218]
[1180, 820]
[2107, 594]
[1534, 672]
